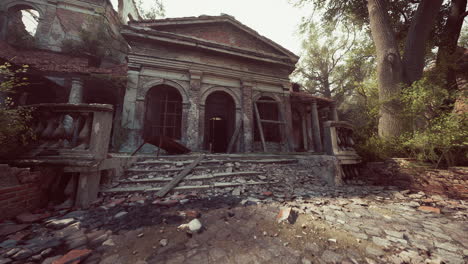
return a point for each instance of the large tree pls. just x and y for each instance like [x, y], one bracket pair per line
[393, 70]
[404, 33]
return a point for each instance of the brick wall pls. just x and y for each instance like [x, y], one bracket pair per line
[20, 191]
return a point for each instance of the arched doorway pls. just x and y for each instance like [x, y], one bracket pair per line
[163, 116]
[220, 115]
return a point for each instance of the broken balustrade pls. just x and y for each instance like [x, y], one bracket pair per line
[72, 129]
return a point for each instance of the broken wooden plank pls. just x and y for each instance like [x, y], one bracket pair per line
[272, 121]
[260, 128]
[234, 138]
[179, 177]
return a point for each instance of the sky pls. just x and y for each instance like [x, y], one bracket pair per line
[277, 20]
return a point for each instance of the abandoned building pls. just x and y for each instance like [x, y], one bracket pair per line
[102, 80]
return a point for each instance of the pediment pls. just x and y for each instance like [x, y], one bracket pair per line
[222, 30]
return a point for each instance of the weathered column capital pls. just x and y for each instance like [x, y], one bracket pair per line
[246, 83]
[195, 79]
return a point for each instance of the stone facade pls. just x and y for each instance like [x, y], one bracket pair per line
[206, 60]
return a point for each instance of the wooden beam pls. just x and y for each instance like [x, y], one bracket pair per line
[179, 177]
[260, 129]
[234, 137]
[272, 121]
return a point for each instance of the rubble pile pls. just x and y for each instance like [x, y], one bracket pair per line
[293, 218]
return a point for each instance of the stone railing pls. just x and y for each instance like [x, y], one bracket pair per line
[338, 139]
[71, 130]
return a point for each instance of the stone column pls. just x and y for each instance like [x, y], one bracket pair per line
[333, 114]
[3, 25]
[304, 129]
[76, 91]
[194, 118]
[247, 116]
[132, 136]
[316, 126]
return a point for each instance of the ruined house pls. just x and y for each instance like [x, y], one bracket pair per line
[102, 80]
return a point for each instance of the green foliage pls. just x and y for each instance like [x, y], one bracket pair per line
[14, 129]
[156, 9]
[445, 139]
[440, 133]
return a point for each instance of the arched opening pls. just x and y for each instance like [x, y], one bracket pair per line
[22, 24]
[220, 116]
[163, 115]
[268, 111]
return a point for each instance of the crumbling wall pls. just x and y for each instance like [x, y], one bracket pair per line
[20, 191]
[74, 26]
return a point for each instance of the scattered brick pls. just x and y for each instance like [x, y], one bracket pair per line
[429, 209]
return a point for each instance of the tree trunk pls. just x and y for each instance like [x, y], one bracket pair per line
[448, 45]
[418, 34]
[389, 70]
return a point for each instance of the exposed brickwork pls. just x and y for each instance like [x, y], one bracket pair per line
[223, 34]
[55, 62]
[20, 191]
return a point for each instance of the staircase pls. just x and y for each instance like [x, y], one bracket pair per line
[214, 173]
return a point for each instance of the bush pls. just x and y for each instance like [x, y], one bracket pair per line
[14, 121]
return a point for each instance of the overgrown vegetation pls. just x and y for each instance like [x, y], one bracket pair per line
[14, 120]
[431, 100]
[154, 9]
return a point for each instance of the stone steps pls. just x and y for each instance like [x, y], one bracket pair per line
[217, 162]
[215, 171]
[149, 188]
[194, 178]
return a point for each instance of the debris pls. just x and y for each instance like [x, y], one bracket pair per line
[179, 177]
[287, 214]
[163, 242]
[193, 226]
[236, 191]
[74, 256]
[120, 215]
[60, 223]
[429, 209]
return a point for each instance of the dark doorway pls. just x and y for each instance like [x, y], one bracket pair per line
[163, 112]
[220, 115]
[298, 132]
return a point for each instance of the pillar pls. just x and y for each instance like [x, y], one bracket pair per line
[194, 121]
[316, 126]
[247, 116]
[76, 91]
[333, 114]
[130, 129]
[304, 130]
